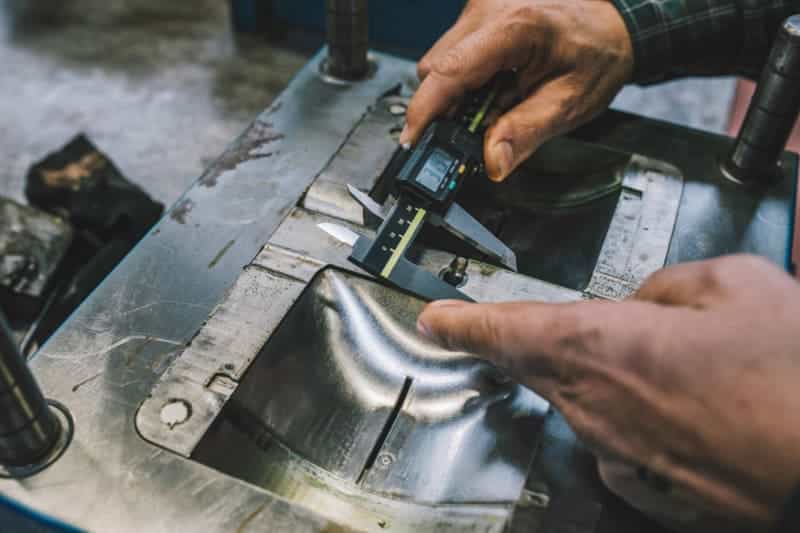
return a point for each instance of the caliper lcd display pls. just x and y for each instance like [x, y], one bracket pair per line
[436, 170]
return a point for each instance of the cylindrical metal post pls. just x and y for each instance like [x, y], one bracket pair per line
[772, 112]
[28, 428]
[348, 38]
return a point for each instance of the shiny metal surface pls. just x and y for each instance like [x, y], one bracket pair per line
[640, 234]
[124, 343]
[340, 233]
[347, 385]
[103, 363]
[365, 152]
[457, 221]
[464, 226]
[28, 429]
[366, 201]
[772, 112]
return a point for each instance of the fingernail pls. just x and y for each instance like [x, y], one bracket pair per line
[438, 304]
[424, 330]
[503, 154]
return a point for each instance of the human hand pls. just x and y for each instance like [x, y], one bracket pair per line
[695, 379]
[571, 58]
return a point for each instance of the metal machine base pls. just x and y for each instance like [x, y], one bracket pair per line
[189, 391]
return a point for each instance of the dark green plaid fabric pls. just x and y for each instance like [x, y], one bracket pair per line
[673, 38]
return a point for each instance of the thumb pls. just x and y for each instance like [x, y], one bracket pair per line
[518, 134]
[547, 345]
[512, 335]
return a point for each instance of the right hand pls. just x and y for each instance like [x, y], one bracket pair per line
[695, 379]
[572, 57]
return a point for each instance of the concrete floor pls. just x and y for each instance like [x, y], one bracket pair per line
[163, 87]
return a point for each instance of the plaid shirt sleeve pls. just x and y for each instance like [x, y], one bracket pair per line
[674, 38]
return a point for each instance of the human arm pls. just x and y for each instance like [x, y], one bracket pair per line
[676, 38]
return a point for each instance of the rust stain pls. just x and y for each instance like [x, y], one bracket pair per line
[181, 210]
[249, 518]
[259, 135]
[488, 270]
[71, 175]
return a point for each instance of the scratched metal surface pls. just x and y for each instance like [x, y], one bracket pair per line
[311, 419]
[348, 411]
[103, 361]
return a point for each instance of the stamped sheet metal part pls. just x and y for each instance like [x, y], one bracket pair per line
[362, 397]
[352, 405]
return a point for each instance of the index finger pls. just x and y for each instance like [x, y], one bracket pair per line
[468, 65]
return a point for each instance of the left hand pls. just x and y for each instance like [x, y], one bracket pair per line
[571, 58]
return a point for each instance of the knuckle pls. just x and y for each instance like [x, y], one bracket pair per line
[576, 335]
[714, 274]
[504, 128]
[423, 68]
[451, 64]
[576, 341]
[656, 279]
[523, 17]
[488, 331]
[639, 353]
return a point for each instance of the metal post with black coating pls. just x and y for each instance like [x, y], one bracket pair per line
[347, 24]
[28, 428]
[772, 112]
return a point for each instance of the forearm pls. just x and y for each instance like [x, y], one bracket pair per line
[674, 38]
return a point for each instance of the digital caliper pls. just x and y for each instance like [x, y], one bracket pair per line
[426, 180]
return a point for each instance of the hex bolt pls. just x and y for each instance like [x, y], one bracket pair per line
[456, 273]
